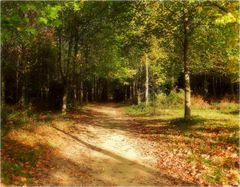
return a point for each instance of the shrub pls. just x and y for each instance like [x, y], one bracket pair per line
[228, 107]
[139, 109]
[199, 102]
[174, 99]
[14, 117]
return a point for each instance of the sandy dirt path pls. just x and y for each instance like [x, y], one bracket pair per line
[100, 149]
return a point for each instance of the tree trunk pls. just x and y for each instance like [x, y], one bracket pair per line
[205, 85]
[75, 95]
[74, 78]
[2, 93]
[97, 90]
[86, 99]
[17, 78]
[232, 89]
[138, 97]
[64, 106]
[187, 108]
[67, 80]
[134, 91]
[125, 93]
[172, 79]
[221, 87]
[23, 96]
[63, 77]
[81, 91]
[94, 89]
[131, 91]
[139, 85]
[60, 54]
[147, 80]
[213, 87]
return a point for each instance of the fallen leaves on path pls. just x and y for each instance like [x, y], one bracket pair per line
[102, 146]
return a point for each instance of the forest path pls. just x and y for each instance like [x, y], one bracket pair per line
[101, 145]
[101, 148]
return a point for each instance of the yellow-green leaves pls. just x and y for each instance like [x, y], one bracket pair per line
[31, 30]
[43, 20]
[77, 6]
[52, 11]
[49, 15]
[225, 19]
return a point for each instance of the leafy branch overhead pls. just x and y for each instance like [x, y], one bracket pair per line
[90, 42]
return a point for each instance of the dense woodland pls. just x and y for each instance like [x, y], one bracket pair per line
[62, 54]
[120, 93]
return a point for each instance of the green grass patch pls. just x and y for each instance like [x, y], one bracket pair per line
[17, 161]
[14, 118]
[211, 134]
[140, 109]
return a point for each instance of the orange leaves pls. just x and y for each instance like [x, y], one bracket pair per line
[21, 162]
[23, 179]
[19, 180]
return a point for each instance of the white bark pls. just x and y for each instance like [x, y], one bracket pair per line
[147, 80]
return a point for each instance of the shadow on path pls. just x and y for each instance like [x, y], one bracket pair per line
[131, 163]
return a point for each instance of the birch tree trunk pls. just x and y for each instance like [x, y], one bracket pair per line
[147, 80]
[187, 108]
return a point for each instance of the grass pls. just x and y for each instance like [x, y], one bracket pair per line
[17, 162]
[212, 135]
[18, 159]
[209, 140]
[23, 150]
[14, 117]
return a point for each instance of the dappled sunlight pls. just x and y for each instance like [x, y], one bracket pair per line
[118, 143]
[105, 111]
[26, 137]
[110, 93]
[61, 178]
[109, 148]
[106, 162]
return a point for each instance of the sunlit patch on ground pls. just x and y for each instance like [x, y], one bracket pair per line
[102, 146]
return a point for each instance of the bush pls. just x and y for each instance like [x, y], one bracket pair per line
[228, 107]
[199, 102]
[139, 109]
[174, 99]
[14, 117]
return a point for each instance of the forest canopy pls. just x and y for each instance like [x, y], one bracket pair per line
[120, 93]
[61, 54]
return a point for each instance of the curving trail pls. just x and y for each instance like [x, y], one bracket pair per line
[100, 148]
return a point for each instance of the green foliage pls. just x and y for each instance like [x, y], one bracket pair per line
[16, 20]
[43, 20]
[16, 167]
[211, 135]
[140, 109]
[86, 42]
[87, 46]
[174, 100]
[9, 168]
[14, 117]
[226, 107]
[31, 30]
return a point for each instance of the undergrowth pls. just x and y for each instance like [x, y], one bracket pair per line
[175, 100]
[15, 117]
[215, 125]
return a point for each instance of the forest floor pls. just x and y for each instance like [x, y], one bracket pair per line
[102, 145]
